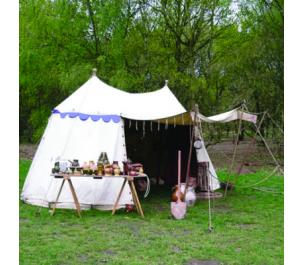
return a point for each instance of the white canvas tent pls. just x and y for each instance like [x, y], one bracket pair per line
[91, 121]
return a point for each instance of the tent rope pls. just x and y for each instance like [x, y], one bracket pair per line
[269, 191]
[275, 123]
[251, 185]
[267, 147]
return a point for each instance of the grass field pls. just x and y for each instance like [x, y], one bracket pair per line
[248, 229]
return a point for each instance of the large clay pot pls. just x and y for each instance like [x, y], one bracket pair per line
[117, 171]
[115, 165]
[108, 170]
[177, 195]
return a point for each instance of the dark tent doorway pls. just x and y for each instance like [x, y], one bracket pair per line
[156, 147]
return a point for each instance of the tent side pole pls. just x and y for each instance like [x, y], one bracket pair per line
[235, 151]
[249, 147]
[196, 109]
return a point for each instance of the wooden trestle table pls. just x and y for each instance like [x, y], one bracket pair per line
[129, 179]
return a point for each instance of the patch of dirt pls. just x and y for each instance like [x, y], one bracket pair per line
[134, 228]
[109, 252]
[203, 262]
[56, 234]
[83, 258]
[27, 151]
[186, 232]
[23, 220]
[222, 208]
[176, 249]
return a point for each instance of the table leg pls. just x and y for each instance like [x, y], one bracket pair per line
[133, 196]
[74, 196]
[118, 198]
[137, 199]
[60, 190]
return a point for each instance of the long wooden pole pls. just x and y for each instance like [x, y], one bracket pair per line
[234, 153]
[179, 169]
[190, 150]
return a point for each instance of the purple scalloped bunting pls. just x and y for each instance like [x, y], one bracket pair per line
[95, 117]
[63, 115]
[73, 114]
[115, 118]
[84, 117]
[106, 118]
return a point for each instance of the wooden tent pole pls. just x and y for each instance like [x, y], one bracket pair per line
[249, 148]
[196, 109]
[235, 151]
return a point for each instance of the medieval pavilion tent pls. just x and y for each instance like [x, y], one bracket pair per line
[91, 121]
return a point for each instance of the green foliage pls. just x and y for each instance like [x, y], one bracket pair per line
[213, 52]
[248, 229]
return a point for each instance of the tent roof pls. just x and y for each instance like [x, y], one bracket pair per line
[96, 97]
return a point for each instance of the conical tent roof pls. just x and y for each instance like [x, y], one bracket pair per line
[97, 98]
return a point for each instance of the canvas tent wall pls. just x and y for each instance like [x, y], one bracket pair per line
[72, 138]
[88, 122]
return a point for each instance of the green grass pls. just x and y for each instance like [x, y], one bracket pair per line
[248, 229]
